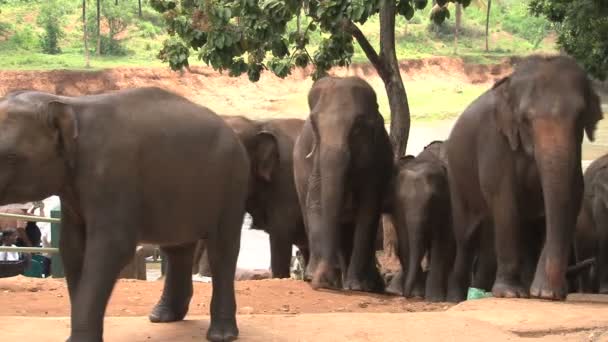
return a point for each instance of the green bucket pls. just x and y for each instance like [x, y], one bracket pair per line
[36, 267]
[475, 293]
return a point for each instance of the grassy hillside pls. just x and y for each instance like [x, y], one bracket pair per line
[513, 31]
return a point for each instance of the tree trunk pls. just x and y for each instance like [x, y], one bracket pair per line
[389, 237]
[98, 27]
[387, 66]
[139, 2]
[84, 30]
[457, 26]
[488, 23]
[397, 97]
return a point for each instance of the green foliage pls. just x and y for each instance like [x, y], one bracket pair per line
[249, 36]
[24, 39]
[51, 20]
[115, 21]
[582, 26]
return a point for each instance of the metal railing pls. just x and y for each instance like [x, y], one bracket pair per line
[55, 220]
[29, 249]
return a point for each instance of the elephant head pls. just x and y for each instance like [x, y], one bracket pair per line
[542, 109]
[38, 134]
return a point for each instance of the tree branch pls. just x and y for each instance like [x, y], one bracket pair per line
[371, 54]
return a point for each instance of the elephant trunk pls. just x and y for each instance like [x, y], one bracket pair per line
[557, 152]
[333, 164]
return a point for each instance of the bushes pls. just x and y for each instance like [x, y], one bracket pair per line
[50, 19]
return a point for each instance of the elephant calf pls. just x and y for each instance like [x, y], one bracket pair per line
[591, 239]
[420, 207]
[140, 165]
[342, 165]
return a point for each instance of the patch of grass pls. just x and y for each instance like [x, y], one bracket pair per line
[433, 100]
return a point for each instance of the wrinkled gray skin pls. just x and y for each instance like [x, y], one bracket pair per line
[516, 144]
[342, 166]
[132, 166]
[420, 206]
[273, 201]
[592, 228]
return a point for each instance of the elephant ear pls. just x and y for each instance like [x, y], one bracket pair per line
[265, 155]
[508, 120]
[593, 114]
[62, 118]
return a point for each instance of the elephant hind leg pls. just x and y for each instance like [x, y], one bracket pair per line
[465, 233]
[177, 292]
[223, 250]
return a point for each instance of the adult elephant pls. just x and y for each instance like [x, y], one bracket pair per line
[420, 206]
[592, 227]
[272, 201]
[140, 165]
[342, 166]
[514, 156]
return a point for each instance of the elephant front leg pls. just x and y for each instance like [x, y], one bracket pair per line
[72, 246]
[174, 302]
[98, 277]
[507, 243]
[362, 273]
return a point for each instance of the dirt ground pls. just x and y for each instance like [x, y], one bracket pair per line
[288, 310]
[22, 296]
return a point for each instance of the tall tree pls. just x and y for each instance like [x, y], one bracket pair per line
[99, 27]
[489, 5]
[457, 25]
[84, 33]
[582, 27]
[139, 7]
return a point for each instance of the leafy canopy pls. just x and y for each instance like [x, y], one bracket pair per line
[248, 36]
[582, 26]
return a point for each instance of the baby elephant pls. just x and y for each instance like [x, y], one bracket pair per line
[591, 230]
[141, 165]
[420, 206]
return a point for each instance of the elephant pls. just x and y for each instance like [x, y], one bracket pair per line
[420, 206]
[591, 237]
[513, 157]
[272, 201]
[138, 165]
[343, 162]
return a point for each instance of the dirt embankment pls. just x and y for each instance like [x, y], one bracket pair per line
[269, 97]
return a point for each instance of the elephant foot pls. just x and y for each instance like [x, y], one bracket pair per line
[395, 286]
[165, 313]
[223, 330]
[504, 289]
[603, 289]
[326, 277]
[372, 282]
[434, 296]
[455, 295]
[83, 337]
[541, 289]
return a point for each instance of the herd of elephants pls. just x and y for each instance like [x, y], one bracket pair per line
[495, 206]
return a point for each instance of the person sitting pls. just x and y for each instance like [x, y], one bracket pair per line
[9, 238]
